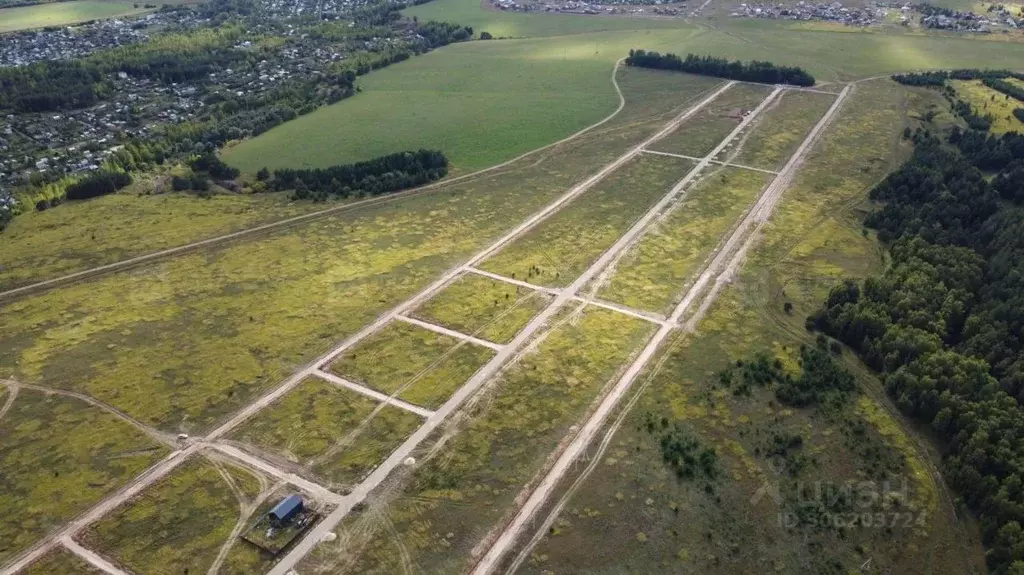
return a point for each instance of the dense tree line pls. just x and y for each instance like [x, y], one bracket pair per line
[945, 322]
[939, 77]
[763, 72]
[1000, 85]
[99, 184]
[373, 177]
[51, 85]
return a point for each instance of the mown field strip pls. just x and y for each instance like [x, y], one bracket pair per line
[721, 268]
[362, 491]
[176, 458]
[372, 393]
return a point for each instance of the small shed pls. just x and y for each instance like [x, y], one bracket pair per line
[286, 510]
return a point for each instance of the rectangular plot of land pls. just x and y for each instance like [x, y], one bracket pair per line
[180, 523]
[699, 135]
[458, 496]
[414, 364]
[780, 129]
[559, 249]
[336, 432]
[60, 561]
[483, 307]
[655, 273]
[58, 457]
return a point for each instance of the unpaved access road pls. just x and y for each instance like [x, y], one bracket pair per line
[723, 263]
[176, 458]
[485, 373]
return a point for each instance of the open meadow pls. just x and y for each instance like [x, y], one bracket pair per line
[631, 509]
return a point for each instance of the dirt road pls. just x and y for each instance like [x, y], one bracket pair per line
[723, 263]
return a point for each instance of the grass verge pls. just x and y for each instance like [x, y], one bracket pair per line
[60, 561]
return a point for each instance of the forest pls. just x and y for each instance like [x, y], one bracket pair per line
[374, 177]
[944, 324]
[761, 72]
[939, 77]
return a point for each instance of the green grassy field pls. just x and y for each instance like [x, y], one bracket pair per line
[559, 249]
[656, 272]
[418, 365]
[632, 512]
[60, 561]
[462, 489]
[483, 102]
[58, 457]
[181, 523]
[700, 133]
[64, 13]
[780, 130]
[335, 434]
[479, 306]
[79, 235]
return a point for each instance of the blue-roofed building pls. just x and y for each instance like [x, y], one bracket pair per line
[286, 510]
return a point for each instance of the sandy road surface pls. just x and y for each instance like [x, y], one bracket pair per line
[91, 557]
[485, 373]
[722, 264]
[175, 458]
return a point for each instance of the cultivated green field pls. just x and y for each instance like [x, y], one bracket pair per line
[558, 250]
[184, 521]
[491, 310]
[483, 102]
[460, 490]
[655, 273]
[64, 13]
[59, 456]
[415, 364]
[629, 510]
